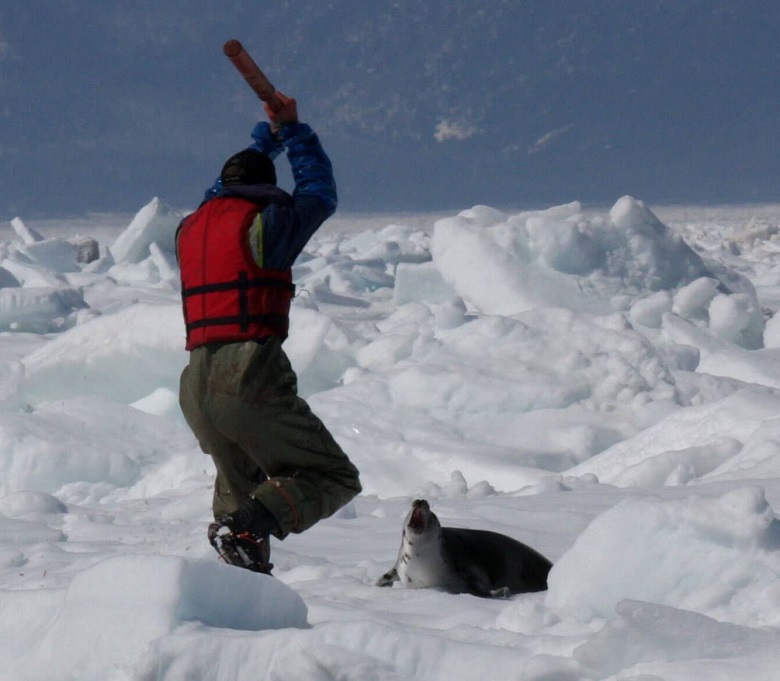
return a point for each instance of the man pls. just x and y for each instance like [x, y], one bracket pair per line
[279, 470]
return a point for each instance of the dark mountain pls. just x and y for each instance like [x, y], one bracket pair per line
[422, 105]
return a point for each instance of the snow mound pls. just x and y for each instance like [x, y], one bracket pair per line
[23, 533]
[715, 554]
[693, 443]
[21, 504]
[505, 265]
[481, 387]
[648, 633]
[124, 356]
[156, 596]
[50, 447]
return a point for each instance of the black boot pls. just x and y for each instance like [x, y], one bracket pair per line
[241, 537]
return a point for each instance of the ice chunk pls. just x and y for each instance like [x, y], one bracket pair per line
[38, 310]
[421, 283]
[26, 234]
[155, 222]
[57, 255]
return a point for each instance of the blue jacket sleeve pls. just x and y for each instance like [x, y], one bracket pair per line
[287, 229]
[311, 167]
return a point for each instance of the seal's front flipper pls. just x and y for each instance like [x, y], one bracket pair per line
[388, 578]
[503, 592]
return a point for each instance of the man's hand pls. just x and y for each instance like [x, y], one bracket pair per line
[286, 114]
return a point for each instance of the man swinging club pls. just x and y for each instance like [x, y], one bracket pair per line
[279, 470]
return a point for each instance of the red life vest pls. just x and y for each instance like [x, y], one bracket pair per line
[226, 295]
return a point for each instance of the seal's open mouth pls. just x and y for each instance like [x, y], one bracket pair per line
[419, 517]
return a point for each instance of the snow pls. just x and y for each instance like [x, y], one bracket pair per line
[600, 384]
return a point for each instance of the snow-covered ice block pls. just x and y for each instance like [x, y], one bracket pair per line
[20, 504]
[420, 283]
[693, 299]
[651, 310]
[165, 261]
[309, 329]
[22, 272]
[154, 223]
[646, 632]
[772, 332]
[318, 349]
[7, 280]
[695, 438]
[52, 447]
[719, 555]
[55, 254]
[737, 318]
[155, 596]
[562, 246]
[122, 356]
[38, 309]
[11, 377]
[16, 533]
[655, 255]
[27, 235]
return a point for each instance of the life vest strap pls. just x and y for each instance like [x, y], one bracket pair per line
[243, 282]
[238, 319]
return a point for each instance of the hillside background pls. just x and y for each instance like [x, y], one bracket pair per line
[422, 105]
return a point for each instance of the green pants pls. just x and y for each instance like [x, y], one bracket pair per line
[242, 403]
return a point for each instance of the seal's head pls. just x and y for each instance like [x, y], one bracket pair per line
[421, 518]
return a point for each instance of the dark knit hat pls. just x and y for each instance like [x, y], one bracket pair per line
[248, 167]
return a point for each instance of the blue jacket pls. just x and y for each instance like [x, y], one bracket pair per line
[288, 222]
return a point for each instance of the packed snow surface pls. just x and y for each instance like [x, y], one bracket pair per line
[602, 385]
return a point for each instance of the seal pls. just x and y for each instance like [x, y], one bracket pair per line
[476, 562]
